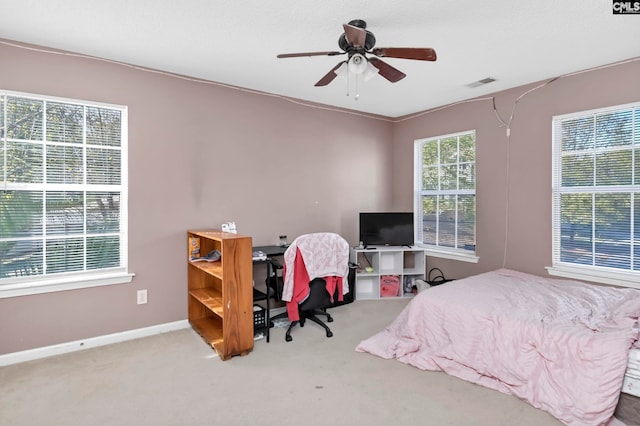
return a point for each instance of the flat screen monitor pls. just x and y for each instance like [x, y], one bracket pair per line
[386, 229]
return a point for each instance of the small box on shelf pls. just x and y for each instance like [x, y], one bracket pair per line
[409, 283]
[259, 318]
[193, 251]
[389, 286]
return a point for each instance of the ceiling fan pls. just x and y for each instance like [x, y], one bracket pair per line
[357, 42]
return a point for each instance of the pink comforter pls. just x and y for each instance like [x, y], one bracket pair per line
[560, 345]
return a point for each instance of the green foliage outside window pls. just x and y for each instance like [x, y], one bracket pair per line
[60, 187]
[597, 191]
[446, 216]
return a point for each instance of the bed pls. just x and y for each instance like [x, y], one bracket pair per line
[561, 345]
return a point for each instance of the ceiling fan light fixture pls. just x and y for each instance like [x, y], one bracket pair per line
[358, 64]
[370, 72]
[356, 42]
[342, 70]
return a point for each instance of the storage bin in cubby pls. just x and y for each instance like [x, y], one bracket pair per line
[259, 317]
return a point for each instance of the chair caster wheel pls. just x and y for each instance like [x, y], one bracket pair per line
[288, 338]
[329, 334]
[329, 319]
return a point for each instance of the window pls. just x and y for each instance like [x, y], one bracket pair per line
[63, 194]
[596, 195]
[445, 195]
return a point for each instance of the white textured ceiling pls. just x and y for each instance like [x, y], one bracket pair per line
[235, 42]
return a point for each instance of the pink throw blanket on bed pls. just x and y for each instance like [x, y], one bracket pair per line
[561, 345]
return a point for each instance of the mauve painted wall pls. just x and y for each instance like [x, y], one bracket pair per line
[199, 155]
[202, 154]
[525, 197]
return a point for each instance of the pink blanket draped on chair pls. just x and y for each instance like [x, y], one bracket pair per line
[310, 256]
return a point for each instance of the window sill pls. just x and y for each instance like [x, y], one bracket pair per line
[460, 255]
[49, 285]
[598, 275]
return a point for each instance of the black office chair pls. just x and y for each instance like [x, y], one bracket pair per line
[317, 301]
[316, 304]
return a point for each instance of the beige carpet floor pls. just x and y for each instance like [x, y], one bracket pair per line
[175, 379]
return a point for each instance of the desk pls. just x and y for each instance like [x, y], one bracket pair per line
[270, 251]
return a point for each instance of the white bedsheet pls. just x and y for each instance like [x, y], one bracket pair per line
[561, 345]
[631, 382]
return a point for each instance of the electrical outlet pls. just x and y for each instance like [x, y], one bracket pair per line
[142, 297]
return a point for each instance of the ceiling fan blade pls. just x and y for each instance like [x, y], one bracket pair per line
[387, 71]
[355, 36]
[421, 54]
[328, 78]
[301, 54]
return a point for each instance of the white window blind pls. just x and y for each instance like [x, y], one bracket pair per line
[63, 199]
[596, 192]
[444, 188]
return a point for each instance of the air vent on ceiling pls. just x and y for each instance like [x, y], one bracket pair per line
[481, 82]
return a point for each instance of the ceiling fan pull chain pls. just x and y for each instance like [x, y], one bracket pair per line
[348, 79]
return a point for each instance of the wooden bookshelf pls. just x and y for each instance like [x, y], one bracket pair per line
[220, 294]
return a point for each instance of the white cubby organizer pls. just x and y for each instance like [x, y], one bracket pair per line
[407, 263]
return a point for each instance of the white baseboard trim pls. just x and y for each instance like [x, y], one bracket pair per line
[93, 342]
